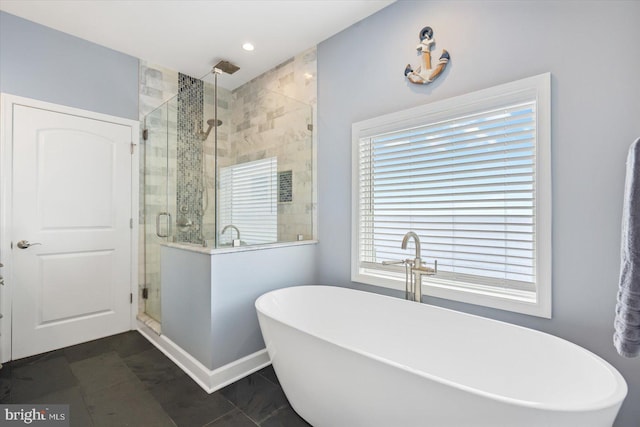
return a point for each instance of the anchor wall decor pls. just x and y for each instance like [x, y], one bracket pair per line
[424, 74]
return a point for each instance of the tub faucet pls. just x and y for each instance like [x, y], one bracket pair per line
[416, 269]
[405, 240]
[233, 241]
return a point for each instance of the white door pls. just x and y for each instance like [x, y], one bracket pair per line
[71, 232]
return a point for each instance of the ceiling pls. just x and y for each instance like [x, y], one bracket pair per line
[191, 36]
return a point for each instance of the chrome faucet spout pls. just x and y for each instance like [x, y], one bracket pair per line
[416, 239]
[233, 227]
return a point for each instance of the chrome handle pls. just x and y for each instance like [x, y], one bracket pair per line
[407, 261]
[428, 270]
[24, 244]
[392, 262]
[158, 224]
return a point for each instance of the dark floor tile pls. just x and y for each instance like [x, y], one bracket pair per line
[256, 396]
[188, 404]
[129, 343]
[35, 359]
[269, 374]
[124, 380]
[78, 413]
[234, 418]
[87, 350]
[285, 417]
[5, 370]
[37, 379]
[5, 383]
[100, 372]
[126, 404]
[5, 390]
[153, 367]
[166, 392]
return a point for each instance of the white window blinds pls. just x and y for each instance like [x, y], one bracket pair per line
[465, 186]
[471, 175]
[249, 200]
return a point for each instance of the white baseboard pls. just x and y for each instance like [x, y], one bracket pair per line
[209, 380]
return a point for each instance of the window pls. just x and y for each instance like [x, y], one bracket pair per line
[471, 176]
[249, 200]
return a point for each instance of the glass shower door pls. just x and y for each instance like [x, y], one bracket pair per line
[158, 210]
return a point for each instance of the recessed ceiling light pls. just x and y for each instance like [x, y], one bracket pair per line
[248, 47]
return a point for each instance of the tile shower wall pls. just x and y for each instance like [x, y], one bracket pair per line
[268, 125]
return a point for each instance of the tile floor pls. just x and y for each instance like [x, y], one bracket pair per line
[124, 380]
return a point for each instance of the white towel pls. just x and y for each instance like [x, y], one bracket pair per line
[626, 338]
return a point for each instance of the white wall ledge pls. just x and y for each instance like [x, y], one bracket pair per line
[215, 251]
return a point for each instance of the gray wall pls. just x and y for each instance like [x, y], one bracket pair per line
[591, 50]
[238, 279]
[186, 301]
[41, 63]
[208, 300]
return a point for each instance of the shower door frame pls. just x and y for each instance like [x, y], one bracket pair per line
[152, 213]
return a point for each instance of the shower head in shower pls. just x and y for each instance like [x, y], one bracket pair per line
[226, 67]
[212, 123]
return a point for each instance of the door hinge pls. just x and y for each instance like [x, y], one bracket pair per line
[131, 223]
[132, 146]
[145, 293]
[131, 298]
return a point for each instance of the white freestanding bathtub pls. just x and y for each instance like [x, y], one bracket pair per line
[348, 358]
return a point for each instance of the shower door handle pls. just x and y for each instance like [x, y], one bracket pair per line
[168, 215]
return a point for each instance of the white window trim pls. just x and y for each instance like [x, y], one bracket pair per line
[540, 87]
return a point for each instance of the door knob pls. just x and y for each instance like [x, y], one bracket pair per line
[24, 244]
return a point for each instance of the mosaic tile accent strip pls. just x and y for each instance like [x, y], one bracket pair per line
[285, 187]
[189, 188]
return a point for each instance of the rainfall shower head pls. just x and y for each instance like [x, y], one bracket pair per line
[212, 123]
[226, 67]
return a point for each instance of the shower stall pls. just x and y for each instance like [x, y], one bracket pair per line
[224, 170]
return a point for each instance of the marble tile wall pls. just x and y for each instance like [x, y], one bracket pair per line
[273, 116]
